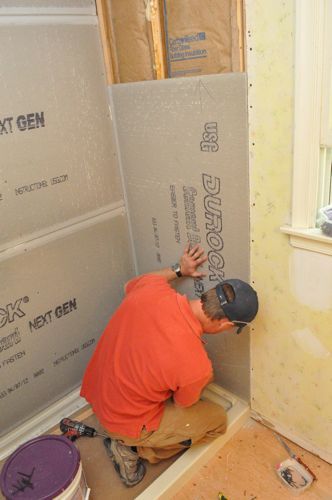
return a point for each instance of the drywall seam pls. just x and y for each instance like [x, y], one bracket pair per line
[247, 51]
[57, 231]
[117, 147]
[47, 19]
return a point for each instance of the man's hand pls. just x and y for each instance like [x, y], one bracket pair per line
[191, 259]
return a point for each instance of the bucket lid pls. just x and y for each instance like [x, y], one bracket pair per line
[40, 469]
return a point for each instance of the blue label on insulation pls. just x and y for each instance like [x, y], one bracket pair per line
[181, 49]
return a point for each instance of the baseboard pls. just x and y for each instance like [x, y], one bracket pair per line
[42, 422]
[292, 436]
[172, 480]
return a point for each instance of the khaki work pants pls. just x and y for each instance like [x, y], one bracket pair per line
[199, 423]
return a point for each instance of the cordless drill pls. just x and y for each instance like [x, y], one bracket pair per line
[73, 429]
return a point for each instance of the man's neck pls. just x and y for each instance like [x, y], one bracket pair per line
[196, 307]
[209, 325]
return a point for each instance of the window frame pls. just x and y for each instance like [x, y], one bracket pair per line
[311, 21]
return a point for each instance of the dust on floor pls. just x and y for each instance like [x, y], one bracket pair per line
[245, 469]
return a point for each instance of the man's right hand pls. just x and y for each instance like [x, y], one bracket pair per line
[191, 259]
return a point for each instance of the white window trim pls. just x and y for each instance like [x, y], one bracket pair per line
[310, 25]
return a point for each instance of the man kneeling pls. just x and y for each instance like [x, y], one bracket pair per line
[149, 368]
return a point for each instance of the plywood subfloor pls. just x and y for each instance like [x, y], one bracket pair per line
[244, 469]
[100, 474]
[98, 468]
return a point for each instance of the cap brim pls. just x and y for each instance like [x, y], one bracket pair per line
[240, 328]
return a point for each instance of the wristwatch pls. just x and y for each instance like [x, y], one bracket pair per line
[177, 269]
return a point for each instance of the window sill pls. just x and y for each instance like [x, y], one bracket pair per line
[309, 239]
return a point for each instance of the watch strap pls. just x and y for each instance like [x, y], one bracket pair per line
[177, 269]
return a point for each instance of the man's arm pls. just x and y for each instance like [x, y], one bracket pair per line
[190, 394]
[191, 259]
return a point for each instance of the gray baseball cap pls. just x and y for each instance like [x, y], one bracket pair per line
[243, 306]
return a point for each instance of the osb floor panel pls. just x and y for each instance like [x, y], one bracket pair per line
[244, 469]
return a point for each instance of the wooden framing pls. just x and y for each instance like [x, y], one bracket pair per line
[107, 39]
[156, 16]
[154, 13]
[240, 24]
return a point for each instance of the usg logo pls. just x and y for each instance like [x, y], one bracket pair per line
[11, 311]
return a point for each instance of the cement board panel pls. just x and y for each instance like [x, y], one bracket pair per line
[58, 158]
[55, 301]
[47, 6]
[184, 155]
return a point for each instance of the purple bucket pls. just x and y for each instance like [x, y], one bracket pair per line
[40, 469]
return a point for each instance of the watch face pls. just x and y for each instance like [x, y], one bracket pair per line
[177, 269]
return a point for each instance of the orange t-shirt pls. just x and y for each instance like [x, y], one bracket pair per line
[150, 350]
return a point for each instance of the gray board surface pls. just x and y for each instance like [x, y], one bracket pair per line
[55, 301]
[58, 159]
[184, 156]
[47, 6]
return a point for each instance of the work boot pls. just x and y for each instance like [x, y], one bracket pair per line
[126, 462]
